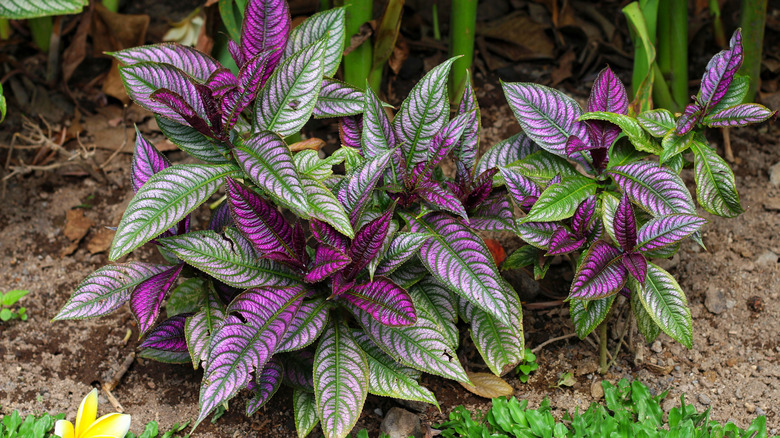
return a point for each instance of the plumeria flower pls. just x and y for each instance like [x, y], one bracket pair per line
[113, 425]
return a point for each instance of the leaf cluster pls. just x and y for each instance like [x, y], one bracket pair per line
[7, 300]
[32, 426]
[629, 410]
[528, 366]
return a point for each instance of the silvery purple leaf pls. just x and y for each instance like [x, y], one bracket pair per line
[587, 315]
[482, 188]
[327, 261]
[422, 114]
[350, 128]
[378, 134]
[564, 242]
[191, 141]
[460, 260]
[235, 49]
[494, 214]
[546, 115]
[734, 96]
[199, 327]
[391, 234]
[644, 322]
[402, 248]
[147, 161]
[608, 94]
[166, 343]
[720, 72]
[664, 231]
[307, 325]
[338, 99]
[147, 297]
[305, 407]
[439, 306]
[254, 305]
[636, 264]
[537, 234]
[143, 79]
[360, 183]
[657, 190]
[192, 62]
[220, 218]
[575, 145]
[582, 220]
[665, 303]
[176, 103]
[689, 118]
[104, 290]
[506, 151]
[266, 26]
[384, 300]
[221, 82]
[323, 205]
[600, 274]
[466, 149]
[716, 188]
[298, 370]
[625, 224]
[287, 100]
[250, 78]
[445, 140]
[388, 378]
[164, 200]
[367, 243]
[340, 380]
[326, 24]
[226, 260]
[657, 122]
[518, 185]
[440, 198]
[325, 234]
[739, 115]
[259, 221]
[560, 200]
[265, 386]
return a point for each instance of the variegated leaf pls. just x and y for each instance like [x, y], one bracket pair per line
[494, 214]
[144, 78]
[659, 191]
[104, 290]
[506, 151]
[560, 201]
[641, 140]
[644, 322]
[298, 369]
[537, 234]
[287, 100]
[735, 95]
[384, 300]
[716, 189]
[439, 306]
[166, 198]
[665, 231]
[265, 386]
[739, 115]
[657, 122]
[359, 186]
[309, 162]
[588, 314]
[307, 325]
[195, 63]
[166, 343]
[266, 26]
[401, 248]
[600, 274]
[147, 161]
[378, 135]
[665, 302]
[519, 186]
[501, 346]
[187, 297]
[466, 149]
[191, 141]
[199, 327]
[720, 72]
[674, 145]
[147, 298]
[340, 380]
[330, 24]
[26, 9]
[305, 407]
[325, 207]
[338, 99]
[542, 167]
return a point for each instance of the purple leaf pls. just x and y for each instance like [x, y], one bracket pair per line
[177, 104]
[358, 189]
[688, 120]
[166, 343]
[519, 186]
[192, 62]
[664, 231]
[147, 161]
[482, 188]
[563, 242]
[378, 134]
[546, 115]
[338, 99]
[199, 327]
[445, 140]
[260, 221]
[460, 260]
[327, 261]
[325, 234]
[147, 297]
[720, 72]
[440, 198]
[235, 51]
[143, 79]
[387, 302]
[537, 234]
[625, 224]
[238, 349]
[402, 248]
[251, 78]
[221, 82]
[266, 27]
[266, 158]
[636, 264]
[466, 148]
[349, 131]
[582, 221]
[220, 218]
[739, 115]
[298, 370]
[659, 191]
[600, 274]
[608, 94]
[307, 325]
[193, 142]
[367, 243]
[104, 290]
[265, 386]
[575, 145]
[494, 214]
[506, 151]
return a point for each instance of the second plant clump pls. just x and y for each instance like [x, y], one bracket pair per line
[340, 285]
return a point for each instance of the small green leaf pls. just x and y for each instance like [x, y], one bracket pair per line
[641, 140]
[305, 412]
[25, 9]
[5, 315]
[657, 122]
[11, 297]
[560, 201]
[674, 145]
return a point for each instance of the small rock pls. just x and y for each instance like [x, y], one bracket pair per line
[400, 423]
[657, 347]
[378, 412]
[668, 404]
[772, 204]
[760, 411]
[768, 258]
[715, 300]
[596, 390]
[774, 174]
[703, 399]
[750, 407]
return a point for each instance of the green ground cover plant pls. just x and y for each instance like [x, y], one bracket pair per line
[7, 302]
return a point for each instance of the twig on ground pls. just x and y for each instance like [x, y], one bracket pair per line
[124, 140]
[550, 341]
[727, 145]
[114, 382]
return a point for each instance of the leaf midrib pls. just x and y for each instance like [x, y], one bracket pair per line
[584, 184]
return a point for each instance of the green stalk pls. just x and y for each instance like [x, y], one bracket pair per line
[41, 28]
[717, 24]
[5, 29]
[752, 22]
[463, 23]
[111, 5]
[357, 64]
[324, 5]
[603, 365]
[384, 41]
[435, 13]
[673, 50]
[642, 18]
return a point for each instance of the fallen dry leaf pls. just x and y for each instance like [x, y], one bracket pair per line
[517, 37]
[496, 249]
[488, 385]
[77, 50]
[111, 32]
[100, 241]
[313, 143]
[76, 227]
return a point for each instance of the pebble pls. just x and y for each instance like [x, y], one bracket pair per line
[400, 423]
[715, 300]
[596, 390]
[703, 399]
[774, 174]
[750, 407]
[760, 411]
[656, 347]
[767, 258]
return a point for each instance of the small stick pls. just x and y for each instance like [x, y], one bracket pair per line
[727, 145]
[114, 402]
[114, 382]
[550, 341]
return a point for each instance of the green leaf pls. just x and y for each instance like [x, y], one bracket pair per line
[438, 303]
[665, 302]
[199, 327]
[24, 9]
[191, 141]
[11, 297]
[165, 199]
[674, 145]
[623, 152]
[326, 25]
[588, 314]
[309, 163]
[5, 315]
[560, 201]
[324, 206]
[641, 140]
[542, 166]
[187, 297]
[2, 104]
[522, 257]
[657, 122]
[609, 205]
[305, 412]
[716, 189]
[644, 322]
[735, 95]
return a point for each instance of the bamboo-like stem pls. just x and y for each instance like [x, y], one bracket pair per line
[662, 97]
[384, 41]
[357, 64]
[5, 29]
[41, 28]
[752, 21]
[324, 5]
[463, 23]
[717, 24]
[111, 5]
[672, 54]
[435, 13]
[603, 365]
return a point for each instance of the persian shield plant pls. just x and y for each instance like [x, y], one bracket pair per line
[335, 284]
[602, 187]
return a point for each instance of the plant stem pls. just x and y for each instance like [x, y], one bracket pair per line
[435, 13]
[41, 28]
[5, 29]
[463, 23]
[384, 41]
[357, 64]
[717, 24]
[603, 366]
[324, 5]
[111, 5]
[672, 56]
[752, 22]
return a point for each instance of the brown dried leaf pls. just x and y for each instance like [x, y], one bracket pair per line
[313, 143]
[76, 225]
[562, 71]
[366, 30]
[100, 241]
[517, 37]
[487, 385]
[77, 50]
